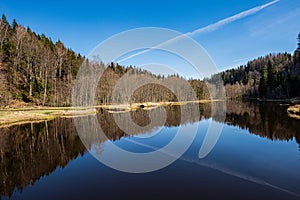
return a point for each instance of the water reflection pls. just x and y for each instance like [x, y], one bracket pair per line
[266, 120]
[30, 151]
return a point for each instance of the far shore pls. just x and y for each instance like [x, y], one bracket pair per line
[32, 114]
[292, 101]
[14, 115]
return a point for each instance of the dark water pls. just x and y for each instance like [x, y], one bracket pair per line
[256, 156]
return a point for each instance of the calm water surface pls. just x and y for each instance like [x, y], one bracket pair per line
[257, 156]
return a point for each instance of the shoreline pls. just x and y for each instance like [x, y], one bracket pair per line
[294, 111]
[10, 117]
[33, 114]
[295, 100]
[149, 105]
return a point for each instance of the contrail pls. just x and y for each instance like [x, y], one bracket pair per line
[219, 24]
[218, 168]
[209, 28]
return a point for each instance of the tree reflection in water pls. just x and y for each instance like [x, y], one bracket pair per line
[30, 151]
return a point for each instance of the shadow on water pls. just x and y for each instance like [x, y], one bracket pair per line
[30, 151]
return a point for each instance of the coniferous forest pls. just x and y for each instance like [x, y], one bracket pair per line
[36, 70]
[275, 76]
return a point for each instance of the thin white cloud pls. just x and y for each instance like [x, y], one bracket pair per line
[209, 28]
[241, 60]
[219, 24]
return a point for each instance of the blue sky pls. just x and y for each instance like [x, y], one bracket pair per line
[81, 25]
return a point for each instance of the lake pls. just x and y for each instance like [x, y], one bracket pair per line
[255, 156]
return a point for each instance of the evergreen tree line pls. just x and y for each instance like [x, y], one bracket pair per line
[275, 76]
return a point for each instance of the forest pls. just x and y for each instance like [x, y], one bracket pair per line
[274, 76]
[34, 70]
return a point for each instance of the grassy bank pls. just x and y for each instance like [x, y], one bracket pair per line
[9, 117]
[294, 111]
[27, 114]
[149, 105]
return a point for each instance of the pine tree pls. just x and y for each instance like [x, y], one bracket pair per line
[4, 29]
[263, 82]
[298, 49]
[14, 25]
[297, 52]
[271, 76]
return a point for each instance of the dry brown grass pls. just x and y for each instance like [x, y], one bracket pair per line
[9, 117]
[25, 113]
[148, 105]
[294, 111]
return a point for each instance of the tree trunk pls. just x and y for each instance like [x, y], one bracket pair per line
[3, 39]
[45, 85]
[30, 76]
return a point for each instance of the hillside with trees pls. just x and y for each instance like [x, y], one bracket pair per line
[38, 71]
[275, 76]
[34, 70]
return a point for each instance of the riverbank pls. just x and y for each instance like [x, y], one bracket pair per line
[14, 115]
[119, 108]
[9, 117]
[295, 100]
[294, 111]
